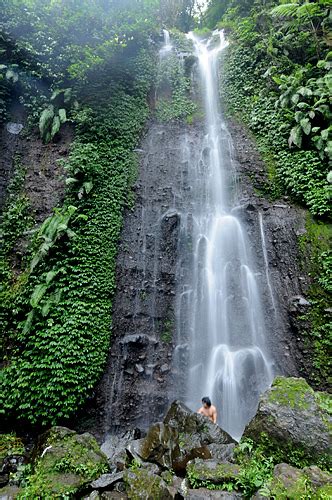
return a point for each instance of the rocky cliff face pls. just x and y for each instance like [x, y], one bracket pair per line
[140, 378]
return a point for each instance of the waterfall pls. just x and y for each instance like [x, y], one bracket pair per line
[220, 317]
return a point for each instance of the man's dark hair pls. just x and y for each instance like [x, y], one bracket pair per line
[207, 401]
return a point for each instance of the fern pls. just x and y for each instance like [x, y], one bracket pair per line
[38, 294]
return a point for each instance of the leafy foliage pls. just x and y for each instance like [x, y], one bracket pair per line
[279, 84]
[60, 322]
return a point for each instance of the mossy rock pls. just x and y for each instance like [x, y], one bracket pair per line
[211, 471]
[142, 483]
[10, 492]
[290, 483]
[293, 419]
[66, 461]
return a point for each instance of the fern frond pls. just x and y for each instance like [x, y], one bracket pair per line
[285, 10]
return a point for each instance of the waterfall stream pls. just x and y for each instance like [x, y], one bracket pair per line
[220, 316]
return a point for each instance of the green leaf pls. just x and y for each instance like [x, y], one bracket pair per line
[45, 122]
[62, 115]
[306, 125]
[55, 126]
[88, 186]
[295, 136]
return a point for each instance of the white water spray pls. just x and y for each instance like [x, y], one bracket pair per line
[220, 304]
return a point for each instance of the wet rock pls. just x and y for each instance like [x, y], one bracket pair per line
[134, 450]
[187, 422]
[139, 340]
[114, 448]
[222, 452]
[106, 480]
[141, 483]
[297, 304]
[292, 415]
[160, 445]
[213, 471]
[205, 494]
[64, 462]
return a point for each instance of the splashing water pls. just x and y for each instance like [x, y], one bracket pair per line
[220, 306]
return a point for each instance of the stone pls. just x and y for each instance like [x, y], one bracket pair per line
[222, 452]
[291, 415]
[185, 421]
[113, 495]
[14, 128]
[205, 494]
[133, 450]
[288, 482]
[10, 492]
[212, 471]
[317, 477]
[64, 462]
[160, 445]
[141, 483]
[106, 480]
[115, 446]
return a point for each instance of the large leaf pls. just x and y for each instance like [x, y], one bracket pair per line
[62, 115]
[306, 125]
[295, 136]
[45, 122]
[55, 126]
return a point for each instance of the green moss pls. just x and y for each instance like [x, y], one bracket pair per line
[291, 392]
[167, 333]
[323, 493]
[300, 489]
[315, 247]
[142, 484]
[70, 462]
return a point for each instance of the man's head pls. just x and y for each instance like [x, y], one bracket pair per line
[206, 402]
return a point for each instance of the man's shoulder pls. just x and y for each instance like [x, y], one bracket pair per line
[213, 408]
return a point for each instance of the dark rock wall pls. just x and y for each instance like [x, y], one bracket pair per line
[135, 388]
[140, 379]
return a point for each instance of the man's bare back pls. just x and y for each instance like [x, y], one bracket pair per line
[209, 411]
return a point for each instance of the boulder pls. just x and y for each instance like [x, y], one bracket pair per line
[222, 452]
[141, 483]
[115, 446]
[293, 483]
[205, 494]
[291, 415]
[106, 481]
[187, 422]
[113, 495]
[64, 463]
[288, 482]
[212, 471]
[317, 477]
[10, 492]
[160, 445]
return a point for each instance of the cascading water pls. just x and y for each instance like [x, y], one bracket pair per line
[220, 315]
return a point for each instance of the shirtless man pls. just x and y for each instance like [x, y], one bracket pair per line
[208, 410]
